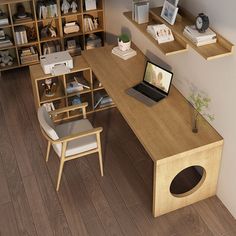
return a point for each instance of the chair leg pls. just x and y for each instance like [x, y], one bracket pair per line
[60, 173]
[100, 160]
[48, 151]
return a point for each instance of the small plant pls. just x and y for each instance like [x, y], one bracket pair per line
[200, 103]
[124, 38]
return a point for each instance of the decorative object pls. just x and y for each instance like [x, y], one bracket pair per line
[74, 6]
[20, 11]
[95, 23]
[31, 33]
[161, 33]
[49, 87]
[48, 31]
[5, 58]
[46, 9]
[3, 18]
[124, 42]
[169, 12]
[65, 6]
[71, 27]
[93, 41]
[173, 2]
[200, 102]
[202, 22]
[90, 5]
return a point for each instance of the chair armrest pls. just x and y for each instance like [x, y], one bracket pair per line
[79, 135]
[70, 108]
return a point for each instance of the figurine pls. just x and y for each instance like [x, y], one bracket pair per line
[20, 12]
[65, 6]
[74, 6]
[48, 86]
[95, 23]
[5, 58]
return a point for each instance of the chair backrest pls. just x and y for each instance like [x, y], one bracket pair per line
[46, 123]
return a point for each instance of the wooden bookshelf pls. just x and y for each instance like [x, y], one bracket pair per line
[62, 98]
[211, 51]
[9, 7]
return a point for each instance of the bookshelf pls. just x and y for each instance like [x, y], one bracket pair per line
[211, 51]
[62, 96]
[35, 22]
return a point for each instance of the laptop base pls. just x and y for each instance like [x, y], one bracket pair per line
[141, 97]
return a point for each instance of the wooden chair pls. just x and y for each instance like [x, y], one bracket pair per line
[70, 140]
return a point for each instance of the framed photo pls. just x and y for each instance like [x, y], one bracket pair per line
[173, 2]
[169, 12]
[90, 5]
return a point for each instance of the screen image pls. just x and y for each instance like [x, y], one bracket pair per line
[158, 77]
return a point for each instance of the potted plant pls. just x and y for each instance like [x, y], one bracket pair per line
[124, 42]
[200, 104]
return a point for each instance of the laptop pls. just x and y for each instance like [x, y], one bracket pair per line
[155, 85]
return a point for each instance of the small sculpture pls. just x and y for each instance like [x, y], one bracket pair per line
[65, 6]
[49, 87]
[20, 11]
[95, 23]
[74, 6]
[5, 58]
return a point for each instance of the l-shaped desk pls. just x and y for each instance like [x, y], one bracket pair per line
[164, 130]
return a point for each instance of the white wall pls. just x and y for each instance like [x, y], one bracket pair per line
[217, 77]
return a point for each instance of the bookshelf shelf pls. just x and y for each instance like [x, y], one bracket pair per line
[9, 7]
[211, 51]
[62, 98]
[170, 48]
[215, 50]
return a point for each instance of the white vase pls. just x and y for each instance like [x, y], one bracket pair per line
[124, 46]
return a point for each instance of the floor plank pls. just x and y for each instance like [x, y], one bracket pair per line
[8, 226]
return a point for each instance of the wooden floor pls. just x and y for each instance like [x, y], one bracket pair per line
[117, 204]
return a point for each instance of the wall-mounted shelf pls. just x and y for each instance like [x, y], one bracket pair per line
[177, 46]
[211, 51]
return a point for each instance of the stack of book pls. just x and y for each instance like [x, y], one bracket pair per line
[21, 35]
[4, 40]
[124, 54]
[199, 39]
[28, 55]
[140, 11]
[90, 24]
[3, 19]
[93, 41]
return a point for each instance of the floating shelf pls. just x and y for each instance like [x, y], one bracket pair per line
[177, 46]
[211, 51]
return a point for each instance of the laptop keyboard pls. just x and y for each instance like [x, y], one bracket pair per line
[148, 92]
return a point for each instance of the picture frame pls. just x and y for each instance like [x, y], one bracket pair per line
[90, 5]
[173, 2]
[169, 12]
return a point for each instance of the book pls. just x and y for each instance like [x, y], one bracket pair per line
[134, 8]
[161, 33]
[124, 54]
[197, 36]
[142, 12]
[202, 42]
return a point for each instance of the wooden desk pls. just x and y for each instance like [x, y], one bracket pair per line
[164, 130]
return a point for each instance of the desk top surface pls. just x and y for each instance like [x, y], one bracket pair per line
[165, 128]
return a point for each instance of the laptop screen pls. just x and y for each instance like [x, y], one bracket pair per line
[158, 77]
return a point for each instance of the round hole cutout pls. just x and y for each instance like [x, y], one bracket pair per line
[187, 181]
